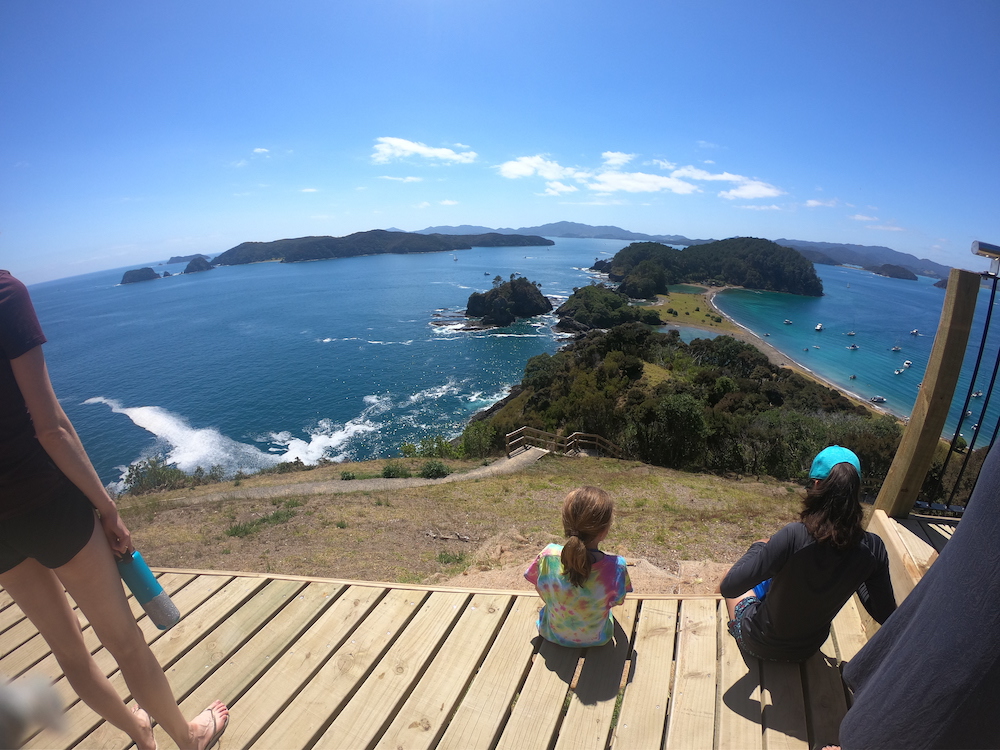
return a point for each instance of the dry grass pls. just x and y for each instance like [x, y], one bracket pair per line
[432, 533]
[693, 310]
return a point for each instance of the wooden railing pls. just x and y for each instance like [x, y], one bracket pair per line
[525, 436]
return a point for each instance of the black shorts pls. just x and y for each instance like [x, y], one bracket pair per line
[52, 534]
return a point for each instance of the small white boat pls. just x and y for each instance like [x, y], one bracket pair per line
[907, 363]
[877, 400]
[977, 394]
[898, 372]
[853, 377]
[897, 348]
[851, 333]
[914, 332]
[787, 322]
[819, 326]
[854, 347]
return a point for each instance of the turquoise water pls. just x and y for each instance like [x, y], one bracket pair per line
[246, 366]
[882, 312]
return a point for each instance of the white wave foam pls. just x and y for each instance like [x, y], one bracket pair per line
[434, 393]
[188, 447]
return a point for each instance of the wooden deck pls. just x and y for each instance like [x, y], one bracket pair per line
[339, 664]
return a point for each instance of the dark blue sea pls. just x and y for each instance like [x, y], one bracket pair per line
[247, 366]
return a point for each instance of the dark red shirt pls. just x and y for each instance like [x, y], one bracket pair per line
[27, 475]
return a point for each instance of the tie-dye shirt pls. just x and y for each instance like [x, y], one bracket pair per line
[578, 616]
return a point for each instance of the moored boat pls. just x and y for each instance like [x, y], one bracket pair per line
[877, 399]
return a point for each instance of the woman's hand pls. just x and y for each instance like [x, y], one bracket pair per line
[118, 535]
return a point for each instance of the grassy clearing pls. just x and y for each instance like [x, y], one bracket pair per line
[425, 534]
[692, 310]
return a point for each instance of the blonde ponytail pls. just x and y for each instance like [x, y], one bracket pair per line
[586, 514]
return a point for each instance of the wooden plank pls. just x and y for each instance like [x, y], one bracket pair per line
[220, 647]
[5, 599]
[783, 706]
[265, 699]
[739, 706]
[423, 718]
[535, 717]
[484, 708]
[826, 704]
[9, 617]
[903, 569]
[643, 715]
[588, 720]
[170, 645]
[341, 675]
[370, 710]
[848, 633]
[692, 716]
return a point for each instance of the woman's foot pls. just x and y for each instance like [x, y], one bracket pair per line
[208, 726]
[146, 739]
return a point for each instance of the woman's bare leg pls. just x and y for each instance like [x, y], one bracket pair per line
[39, 594]
[731, 603]
[91, 578]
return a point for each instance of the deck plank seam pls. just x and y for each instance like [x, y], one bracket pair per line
[359, 683]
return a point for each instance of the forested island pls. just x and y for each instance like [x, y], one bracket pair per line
[507, 301]
[599, 306]
[645, 269]
[893, 271]
[374, 242]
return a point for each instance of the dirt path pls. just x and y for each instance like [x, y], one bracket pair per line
[516, 462]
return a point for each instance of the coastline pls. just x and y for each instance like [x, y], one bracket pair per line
[776, 357]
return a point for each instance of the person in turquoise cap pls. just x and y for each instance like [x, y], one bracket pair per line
[812, 567]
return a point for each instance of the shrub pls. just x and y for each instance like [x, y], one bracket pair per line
[395, 470]
[347, 475]
[152, 475]
[477, 439]
[434, 470]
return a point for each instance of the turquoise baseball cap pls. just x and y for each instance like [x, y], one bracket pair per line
[829, 457]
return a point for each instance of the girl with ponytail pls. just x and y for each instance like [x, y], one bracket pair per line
[578, 583]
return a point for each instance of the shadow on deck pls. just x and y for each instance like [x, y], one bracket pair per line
[309, 663]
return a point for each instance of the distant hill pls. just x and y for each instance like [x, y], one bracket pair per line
[869, 255]
[571, 229]
[827, 253]
[186, 258]
[893, 272]
[375, 242]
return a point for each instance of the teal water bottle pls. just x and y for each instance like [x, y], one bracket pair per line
[148, 591]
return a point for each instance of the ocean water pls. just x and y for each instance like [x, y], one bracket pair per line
[247, 366]
[882, 313]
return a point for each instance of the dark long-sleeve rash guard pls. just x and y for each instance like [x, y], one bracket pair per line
[812, 581]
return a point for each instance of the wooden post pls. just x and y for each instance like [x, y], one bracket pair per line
[921, 436]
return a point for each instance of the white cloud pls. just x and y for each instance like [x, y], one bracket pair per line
[707, 144]
[772, 207]
[616, 158]
[261, 151]
[557, 188]
[387, 149]
[862, 217]
[812, 203]
[694, 173]
[309, 190]
[639, 182]
[424, 204]
[886, 228]
[240, 163]
[527, 166]
[401, 179]
[664, 164]
[751, 189]
[708, 161]
[447, 202]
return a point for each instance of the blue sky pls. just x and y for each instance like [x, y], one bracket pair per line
[132, 131]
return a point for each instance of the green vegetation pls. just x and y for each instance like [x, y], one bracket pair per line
[598, 306]
[282, 515]
[713, 405]
[347, 476]
[507, 301]
[645, 269]
[395, 470]
[434, 470]
[154, 475]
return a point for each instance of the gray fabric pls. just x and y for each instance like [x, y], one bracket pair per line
[930, 678]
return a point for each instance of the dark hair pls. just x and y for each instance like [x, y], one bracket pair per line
[832, 509]
[586, 513]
